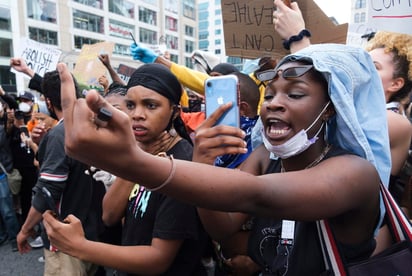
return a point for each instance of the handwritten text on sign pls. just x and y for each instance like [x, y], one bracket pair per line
[249, 31]
[391, 15]
[259, 15]
[39, 57]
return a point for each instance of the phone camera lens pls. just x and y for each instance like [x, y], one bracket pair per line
[209, 84]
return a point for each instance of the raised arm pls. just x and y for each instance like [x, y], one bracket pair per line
[266, 195]
[190, 78]
[105, 59]
[289, 22]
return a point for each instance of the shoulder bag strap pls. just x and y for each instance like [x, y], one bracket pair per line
[398, 224]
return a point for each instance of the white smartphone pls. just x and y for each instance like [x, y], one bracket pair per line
[221, 90]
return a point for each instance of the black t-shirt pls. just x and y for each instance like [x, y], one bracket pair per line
[305, 256]
[152, 214]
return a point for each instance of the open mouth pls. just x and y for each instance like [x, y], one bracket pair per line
[277, 129]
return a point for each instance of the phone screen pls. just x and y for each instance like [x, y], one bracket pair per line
[221, 90]
[51, 205]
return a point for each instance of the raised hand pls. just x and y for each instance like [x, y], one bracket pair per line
[287, 21]
[143, 54]
[212, 141]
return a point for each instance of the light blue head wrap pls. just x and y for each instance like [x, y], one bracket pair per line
[355, 89]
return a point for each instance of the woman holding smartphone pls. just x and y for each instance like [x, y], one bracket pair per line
[318, 119]
[160, 235]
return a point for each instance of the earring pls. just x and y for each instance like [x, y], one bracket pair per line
[172, 132]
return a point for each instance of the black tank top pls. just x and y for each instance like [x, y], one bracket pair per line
[305, 256]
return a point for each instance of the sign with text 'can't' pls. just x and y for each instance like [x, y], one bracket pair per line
[249, 31]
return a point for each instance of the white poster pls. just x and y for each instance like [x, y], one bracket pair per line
[391, 15]
[41, 58]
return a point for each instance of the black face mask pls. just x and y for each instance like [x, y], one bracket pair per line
[195, 105]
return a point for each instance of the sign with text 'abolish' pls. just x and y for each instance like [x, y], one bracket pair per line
[41, 58]
[249, 31]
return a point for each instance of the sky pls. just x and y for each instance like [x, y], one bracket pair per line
[340, 9]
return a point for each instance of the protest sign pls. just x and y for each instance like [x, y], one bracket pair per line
[125, 72]
[393, 16]
[41, 58]
[249, 31]
[88, 67]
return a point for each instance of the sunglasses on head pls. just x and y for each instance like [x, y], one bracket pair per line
[288, 73]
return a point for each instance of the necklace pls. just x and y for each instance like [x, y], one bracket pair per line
[315, 162]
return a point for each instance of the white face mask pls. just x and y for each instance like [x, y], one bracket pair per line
[297, 143]
[24, 107]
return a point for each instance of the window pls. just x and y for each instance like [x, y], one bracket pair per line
[120, 29]
[188, 62]
[363, 17]
[217, 2]
[121, 50]
[79, 41]
[172, 42]
[203, 35]
[171, 23]
[6, 47]
[41, 10]
[174, 58]
[203, 45]
[5, 21]
[203, 16]
[218, 32]
[203, 25]
[218, 42]
[7, 78]
[360, 4]
[88, 22]
[147, 36]
[218, 22]
[189, 46]
[122, 7]
[189, 31]
[218, 12]
[43, 36]
[357, 17]
[98, 4]
[189, 9]
[218, 52]
[147, 16]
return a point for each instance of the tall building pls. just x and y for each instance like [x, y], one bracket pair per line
[69, 24]
[211, 35]
[359, 11]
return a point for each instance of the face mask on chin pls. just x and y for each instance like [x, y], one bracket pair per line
[297, 144]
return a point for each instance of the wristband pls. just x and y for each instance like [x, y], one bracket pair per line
[295, 38]
[171, 173]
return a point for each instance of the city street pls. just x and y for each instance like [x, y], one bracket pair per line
[13, 263]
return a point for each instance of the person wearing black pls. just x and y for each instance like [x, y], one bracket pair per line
[73, 191]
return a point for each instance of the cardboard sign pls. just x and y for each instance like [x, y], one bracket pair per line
[88, 67]
[41, 58]
[393, 16]
[125, 72]
[249, 31]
